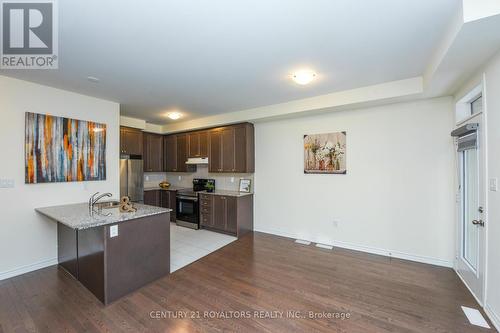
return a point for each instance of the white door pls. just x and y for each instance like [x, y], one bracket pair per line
[471, 231]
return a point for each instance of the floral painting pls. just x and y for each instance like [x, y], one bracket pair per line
[325, 153]
[61, 149]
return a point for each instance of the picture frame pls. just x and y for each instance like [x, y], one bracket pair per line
[72, 150]
[245, 185]
[325, 153]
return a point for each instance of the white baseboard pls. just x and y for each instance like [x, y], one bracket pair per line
[468, 288]
[27, 268]
[494, 318]
[367, 249]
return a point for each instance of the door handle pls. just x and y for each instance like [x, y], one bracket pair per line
[478, 222]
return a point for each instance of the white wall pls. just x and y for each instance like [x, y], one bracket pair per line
[397, 197]
[489, 76]
[27, 240]
[492, 83]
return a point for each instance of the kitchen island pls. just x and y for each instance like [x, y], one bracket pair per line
[109, 252]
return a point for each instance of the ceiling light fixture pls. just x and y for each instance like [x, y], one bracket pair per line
[303, 77]
[93, 79]
[174, 115]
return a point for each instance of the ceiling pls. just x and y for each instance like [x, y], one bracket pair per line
[213, 57]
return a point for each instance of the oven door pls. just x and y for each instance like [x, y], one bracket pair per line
[187, 211]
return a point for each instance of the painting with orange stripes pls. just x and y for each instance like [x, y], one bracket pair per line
[61, 149]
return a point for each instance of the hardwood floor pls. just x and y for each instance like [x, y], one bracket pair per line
[259, 272]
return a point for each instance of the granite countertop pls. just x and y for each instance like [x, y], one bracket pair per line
[77, 216]
[171, 188]
[227, 193]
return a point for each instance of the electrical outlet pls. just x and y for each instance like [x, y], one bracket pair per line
[232, 179]
[180, 178]
[113, 231]
[147, 178]
[336, 223]
[493, 184]
[7, 183]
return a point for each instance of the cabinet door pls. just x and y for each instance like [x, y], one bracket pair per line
[152, 198]
[228, 150]
[170, 143]
[165, 199]
[204, 144]
[194, 144]
[231, 215]
[240, 151]
[131, 141]
[153, 152]
[219, 213]
[168, 200]
[215, 153]
[182, 152]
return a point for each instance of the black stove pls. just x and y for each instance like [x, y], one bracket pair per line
[187, 214]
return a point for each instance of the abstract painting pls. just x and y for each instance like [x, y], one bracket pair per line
[61, 149]
[325, 153]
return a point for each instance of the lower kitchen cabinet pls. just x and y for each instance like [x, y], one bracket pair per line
[168, 200]
[162, 198]
[228, 214]
[152, 198]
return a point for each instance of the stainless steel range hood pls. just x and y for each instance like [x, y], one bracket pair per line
[197, 160]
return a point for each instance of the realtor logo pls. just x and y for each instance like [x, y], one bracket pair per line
[28, 34]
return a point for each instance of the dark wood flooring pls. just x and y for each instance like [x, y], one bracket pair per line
[259, 272]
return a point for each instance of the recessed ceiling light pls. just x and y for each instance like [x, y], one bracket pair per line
[174, 115]
[303, 77]
[93, 79]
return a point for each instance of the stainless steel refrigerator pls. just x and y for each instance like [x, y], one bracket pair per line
[132, 179]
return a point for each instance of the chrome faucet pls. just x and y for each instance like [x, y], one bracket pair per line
[93, 199]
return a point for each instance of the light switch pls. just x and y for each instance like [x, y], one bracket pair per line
[7, 183]
[493, 184]
[113, 231]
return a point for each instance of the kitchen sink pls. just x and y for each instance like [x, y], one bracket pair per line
[107, 204]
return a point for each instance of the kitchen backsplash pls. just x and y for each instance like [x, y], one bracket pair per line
[222, 181]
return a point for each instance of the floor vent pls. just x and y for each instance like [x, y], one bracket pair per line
[303, 242]
[324, 246]
[475, 317]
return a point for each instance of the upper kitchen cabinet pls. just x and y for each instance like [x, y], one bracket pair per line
[231, 149]
[198, 144]
[131, 141]
[153, 152]
[182, 152]
[176, 153]
[170, 153]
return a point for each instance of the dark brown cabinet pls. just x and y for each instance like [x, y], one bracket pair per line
[198, 144]
[228, 214]
[170, 153]
[215, 152]
[162, 198]
[152, 197]
[153, 152]
[176, 153]
[231, 149]
[168, 200]
[131, 141]
[182, 151]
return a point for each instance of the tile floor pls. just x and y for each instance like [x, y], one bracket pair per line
[188, 245]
